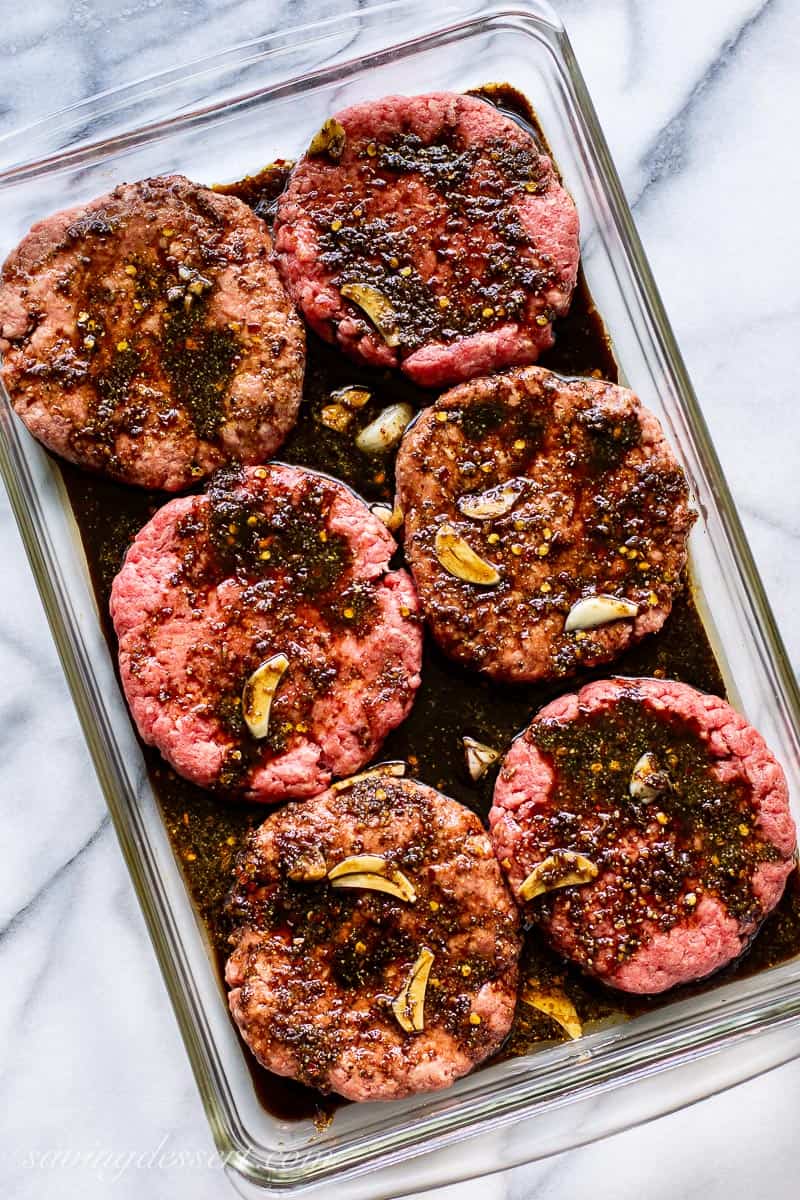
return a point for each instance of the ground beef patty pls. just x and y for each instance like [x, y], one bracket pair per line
[147, 335]
[449, 210]
[564, 489]
[680, 810]
[273, 563]
[318, 973]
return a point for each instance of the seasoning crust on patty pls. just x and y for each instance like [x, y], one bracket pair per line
[146, 334]
[527, 493]
[428, 233]
[646, 828]
[371, 993]
[264, 644]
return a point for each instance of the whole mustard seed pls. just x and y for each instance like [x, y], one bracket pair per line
[474, 1019]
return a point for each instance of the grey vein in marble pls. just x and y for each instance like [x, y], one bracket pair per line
[698, 101]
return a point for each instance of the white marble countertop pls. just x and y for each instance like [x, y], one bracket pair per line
[699, 101]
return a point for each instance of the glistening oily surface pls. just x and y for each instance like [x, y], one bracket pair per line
[431, 233]
[146, 334]
[358, 969]
[451, 703]
[669, 814]
[276, 581]
[563, 493]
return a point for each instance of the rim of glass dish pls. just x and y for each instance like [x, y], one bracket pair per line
[561, 1075]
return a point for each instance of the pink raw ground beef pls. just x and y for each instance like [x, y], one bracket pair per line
[449, 209]
[271, 561]
[146, 334]
[687, 869]
[315, 967]
[567, 488]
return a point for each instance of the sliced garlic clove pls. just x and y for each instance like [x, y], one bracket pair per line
[377, 307]
[555, 1005]
[386, 430]
[330, 139]
[258, 693]
[308, 867]
[352, 396]
[562, 869]
[479, 757]
[409, 1004]
[335, 416]
[592, 611]
[396, 769]
[398, 886]
[647, 779]
[371, 863]
[392, 518]
[459, 559]
[495, 502]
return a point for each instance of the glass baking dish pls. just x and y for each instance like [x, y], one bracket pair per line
[217, 120]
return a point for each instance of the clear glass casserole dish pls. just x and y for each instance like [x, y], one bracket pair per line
[220, 119]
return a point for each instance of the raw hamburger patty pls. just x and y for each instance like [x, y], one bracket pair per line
[147, 335]
[271, 561]
[588, 498]
[687, 869]
[449, 210]
[316, 967]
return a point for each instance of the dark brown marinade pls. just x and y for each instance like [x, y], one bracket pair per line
[207, 832]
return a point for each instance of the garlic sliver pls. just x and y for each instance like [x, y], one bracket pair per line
[479, 757]
[386, 430]
[564, 869]
[396, 769]
[459, 559]
[398, 886]
[593, 611]
[409, 1004]
[258, 694]
[555, 1005]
